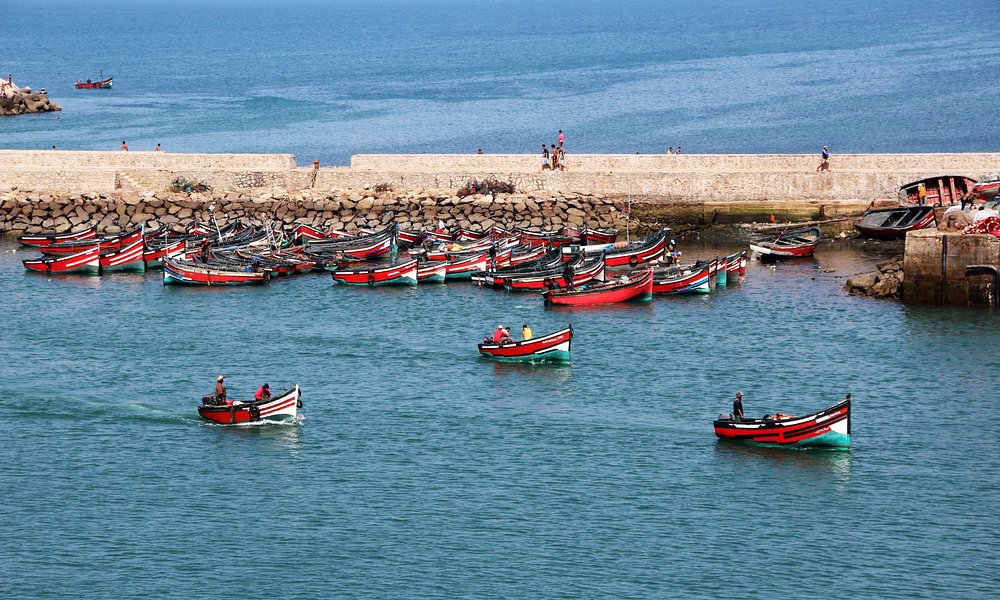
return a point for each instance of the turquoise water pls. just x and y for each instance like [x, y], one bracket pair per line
[420, 470]
[327, 79]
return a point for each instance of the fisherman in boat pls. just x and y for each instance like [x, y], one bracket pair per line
[498, 334]
[220, 390]
[738, 406]
[526, 332]
[506, 339]
[263, 393]
[568, 276]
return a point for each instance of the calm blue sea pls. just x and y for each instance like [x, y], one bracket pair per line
[327, 79]
[422, 471]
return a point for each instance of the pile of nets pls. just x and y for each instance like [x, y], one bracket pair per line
[990, 225]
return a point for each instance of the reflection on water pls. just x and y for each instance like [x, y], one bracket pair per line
[834, 461]
[285, 435]
[556, 372]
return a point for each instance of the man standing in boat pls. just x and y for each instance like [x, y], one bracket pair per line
[738, 406]
[220, 390]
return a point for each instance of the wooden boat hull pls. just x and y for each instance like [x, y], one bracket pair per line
[598, 236]
[828, 428]
[941, 190]
[692, 282]
[404, 273]
[154, 257]
[87, 261]
[104, 84]
[47, 239]
[893, 223]
[177, 272]
[463, 268]
[432, 272]
[583, 275]
[794, 244]
[283, 406]
[638, 287]
[128, 258]
[552, 347]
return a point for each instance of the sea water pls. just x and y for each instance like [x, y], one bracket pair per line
[420, 470]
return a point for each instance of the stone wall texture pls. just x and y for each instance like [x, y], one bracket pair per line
[693, 188]
[934, 265]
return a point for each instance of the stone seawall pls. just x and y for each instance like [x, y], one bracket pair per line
[689, 188]
[24, 212]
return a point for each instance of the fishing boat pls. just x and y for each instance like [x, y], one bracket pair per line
[892, 223]
[108, 242]
[403, 273]
[638, 286]
[828, 428]
[283, 406]
[157, 250]
[125, 258]
[432, 271]
[87, 260]
[580, 271]
[551, 239]
[463, 266]
[47, 239]
[104, 84]
[945, 189]
[190, 273]
[789, 244]
[691, 279]
[552, 347]
[987, 190]
[598, 236]
[624, 254]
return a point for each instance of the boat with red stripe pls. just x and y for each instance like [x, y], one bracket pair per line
[87, 261]
[403, 273]
[47, 239]
[791, 244]
[552, 347]
[283, 406]
[184, 272]
[690, 279]
[827, 428]
[637, 286]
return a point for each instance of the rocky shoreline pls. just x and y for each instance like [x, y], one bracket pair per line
[28, 212]
[22, 101]
[885, 282]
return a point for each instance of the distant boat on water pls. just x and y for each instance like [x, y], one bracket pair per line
[104, 84]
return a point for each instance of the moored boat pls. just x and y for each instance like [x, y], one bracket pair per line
[638, 286]
[827, 428]
[691, 279]
[190, 273]
[282, 406]
[403, 273]
[126, 258]
[87, 260]
[47, 239]
[432, 271]
[789, 244]
[552, 347]
[891, 223]
[579, 271]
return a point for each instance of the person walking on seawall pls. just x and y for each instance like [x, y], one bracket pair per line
[824, 164]
[220, 389]
[562, 157]
[526, 332]
[562, 137]
[545, 158]
[124, 146]
[554, 154]
[738, 406]
[263, 393]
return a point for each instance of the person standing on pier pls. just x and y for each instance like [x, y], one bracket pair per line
[124, 146]
[562, 137]
[824, 164]
[545, 157]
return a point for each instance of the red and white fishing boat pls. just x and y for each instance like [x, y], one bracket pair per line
[791, 244]
[637, 286]
[107, 242]
[828, 428]
[733, 262]
[893, 223]
[552, 347]
[154, 253]
[190, 273]
[551, 239]
[463, 267]
[283, 406]
[584, 273]
[693, 279]
[403, 273]
[622, 254]
[86, 261]
[104, 84]
[126, 258]
[47, 239]
[432, 271]
[598, 236]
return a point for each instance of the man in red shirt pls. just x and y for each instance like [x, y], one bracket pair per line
[263, 393]
[498, 334]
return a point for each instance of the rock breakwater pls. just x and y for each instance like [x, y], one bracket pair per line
[22, 101]
[885, 282]
[29, 212]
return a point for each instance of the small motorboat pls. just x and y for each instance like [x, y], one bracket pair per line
[828, 428]
[282, 406]
[684, 279]
[892, 223]
[636, 286]
[104, 84]
[552, 347]
[788, 244]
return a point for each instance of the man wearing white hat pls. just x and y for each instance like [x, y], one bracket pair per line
[220, 390]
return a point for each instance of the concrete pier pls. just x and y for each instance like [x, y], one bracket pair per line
[935, 267]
